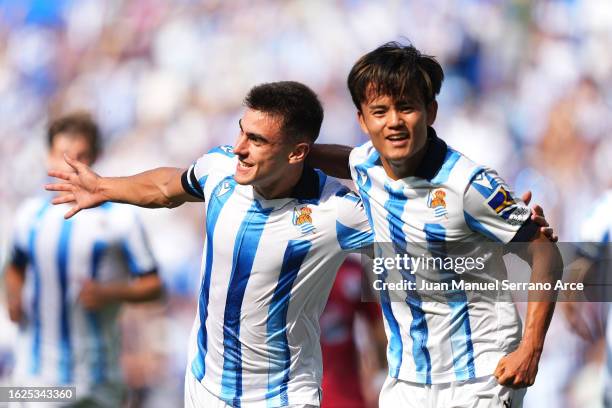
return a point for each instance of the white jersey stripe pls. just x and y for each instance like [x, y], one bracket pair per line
[278, 377]
[245, 248]
[460, 330]
[215, 206]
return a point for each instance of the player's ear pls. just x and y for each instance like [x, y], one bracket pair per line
[361, 121]
[432, 112]
[299, 152]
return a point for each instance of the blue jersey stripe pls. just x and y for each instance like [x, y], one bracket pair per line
[215, 205]
[450, 160]
[364, 182]
[65, 343]
[98, 368]
[476, 226]
[395, 206]
[351, 238]
[245, 248]
[33, 235]
[278, 345]
[461, 332]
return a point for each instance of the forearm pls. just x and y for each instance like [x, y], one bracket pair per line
[14, 279]
[151, 189]
[140, 290]
[332, 159]
[547, 267]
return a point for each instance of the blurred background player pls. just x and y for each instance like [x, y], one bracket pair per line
[591, 321]
[352, 342]
[66, 279]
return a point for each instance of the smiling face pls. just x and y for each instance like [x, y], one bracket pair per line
[266, 158]
[398, 129]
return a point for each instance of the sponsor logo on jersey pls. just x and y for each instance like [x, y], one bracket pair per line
[225, 187]
[302, 218]
[436, 200]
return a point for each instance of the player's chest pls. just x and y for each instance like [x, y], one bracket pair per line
[415, 209]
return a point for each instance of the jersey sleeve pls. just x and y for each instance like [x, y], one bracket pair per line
[136, 248]
[490, 209]
[194, 179]
[353, 229]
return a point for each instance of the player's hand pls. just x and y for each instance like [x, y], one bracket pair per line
[537, 216]
[573, 312]
[93, 296]
[81, 187]
[519, 368]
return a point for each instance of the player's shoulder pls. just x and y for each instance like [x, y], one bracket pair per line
[362, 153]
[334, 190]
[32, 206]
[459, 169]
[219, 160]
[598, 221]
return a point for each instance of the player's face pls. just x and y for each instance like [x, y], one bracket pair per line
[398, 129]
[74, 145]
[263, 152]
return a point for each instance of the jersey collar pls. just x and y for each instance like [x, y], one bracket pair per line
[434, 156]
[307, 187]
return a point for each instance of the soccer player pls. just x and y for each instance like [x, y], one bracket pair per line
[65, 280]
[276, 232]
[593, 265]
[416, 189]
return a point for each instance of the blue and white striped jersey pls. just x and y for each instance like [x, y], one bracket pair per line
[267, 270]
[60, 342]
[451, 199]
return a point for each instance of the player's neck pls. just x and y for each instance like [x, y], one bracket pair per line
[407, 167]
[283, 187]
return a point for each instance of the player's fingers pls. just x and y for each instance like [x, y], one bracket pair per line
[526, 197]
[59, 174]
[72, 211]
[75, 164]
[541, 221]
[59, 187]
[68, 198]
[547, 231]
[538, 210]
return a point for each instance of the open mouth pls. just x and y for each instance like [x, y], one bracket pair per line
[244, 165]
[397, 137]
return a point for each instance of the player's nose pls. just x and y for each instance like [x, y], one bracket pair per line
[241, 146]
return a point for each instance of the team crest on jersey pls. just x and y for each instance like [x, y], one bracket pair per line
[437, 201]
[302, 219]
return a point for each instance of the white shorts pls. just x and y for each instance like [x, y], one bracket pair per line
[197, 396]
[477, 393]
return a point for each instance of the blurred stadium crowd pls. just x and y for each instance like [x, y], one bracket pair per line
[528, 91]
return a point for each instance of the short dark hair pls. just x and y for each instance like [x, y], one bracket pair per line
[396, 70]
[294, 103]
[76, 123]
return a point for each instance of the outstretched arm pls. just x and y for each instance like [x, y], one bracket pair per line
[331, 158]
[155, 188]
